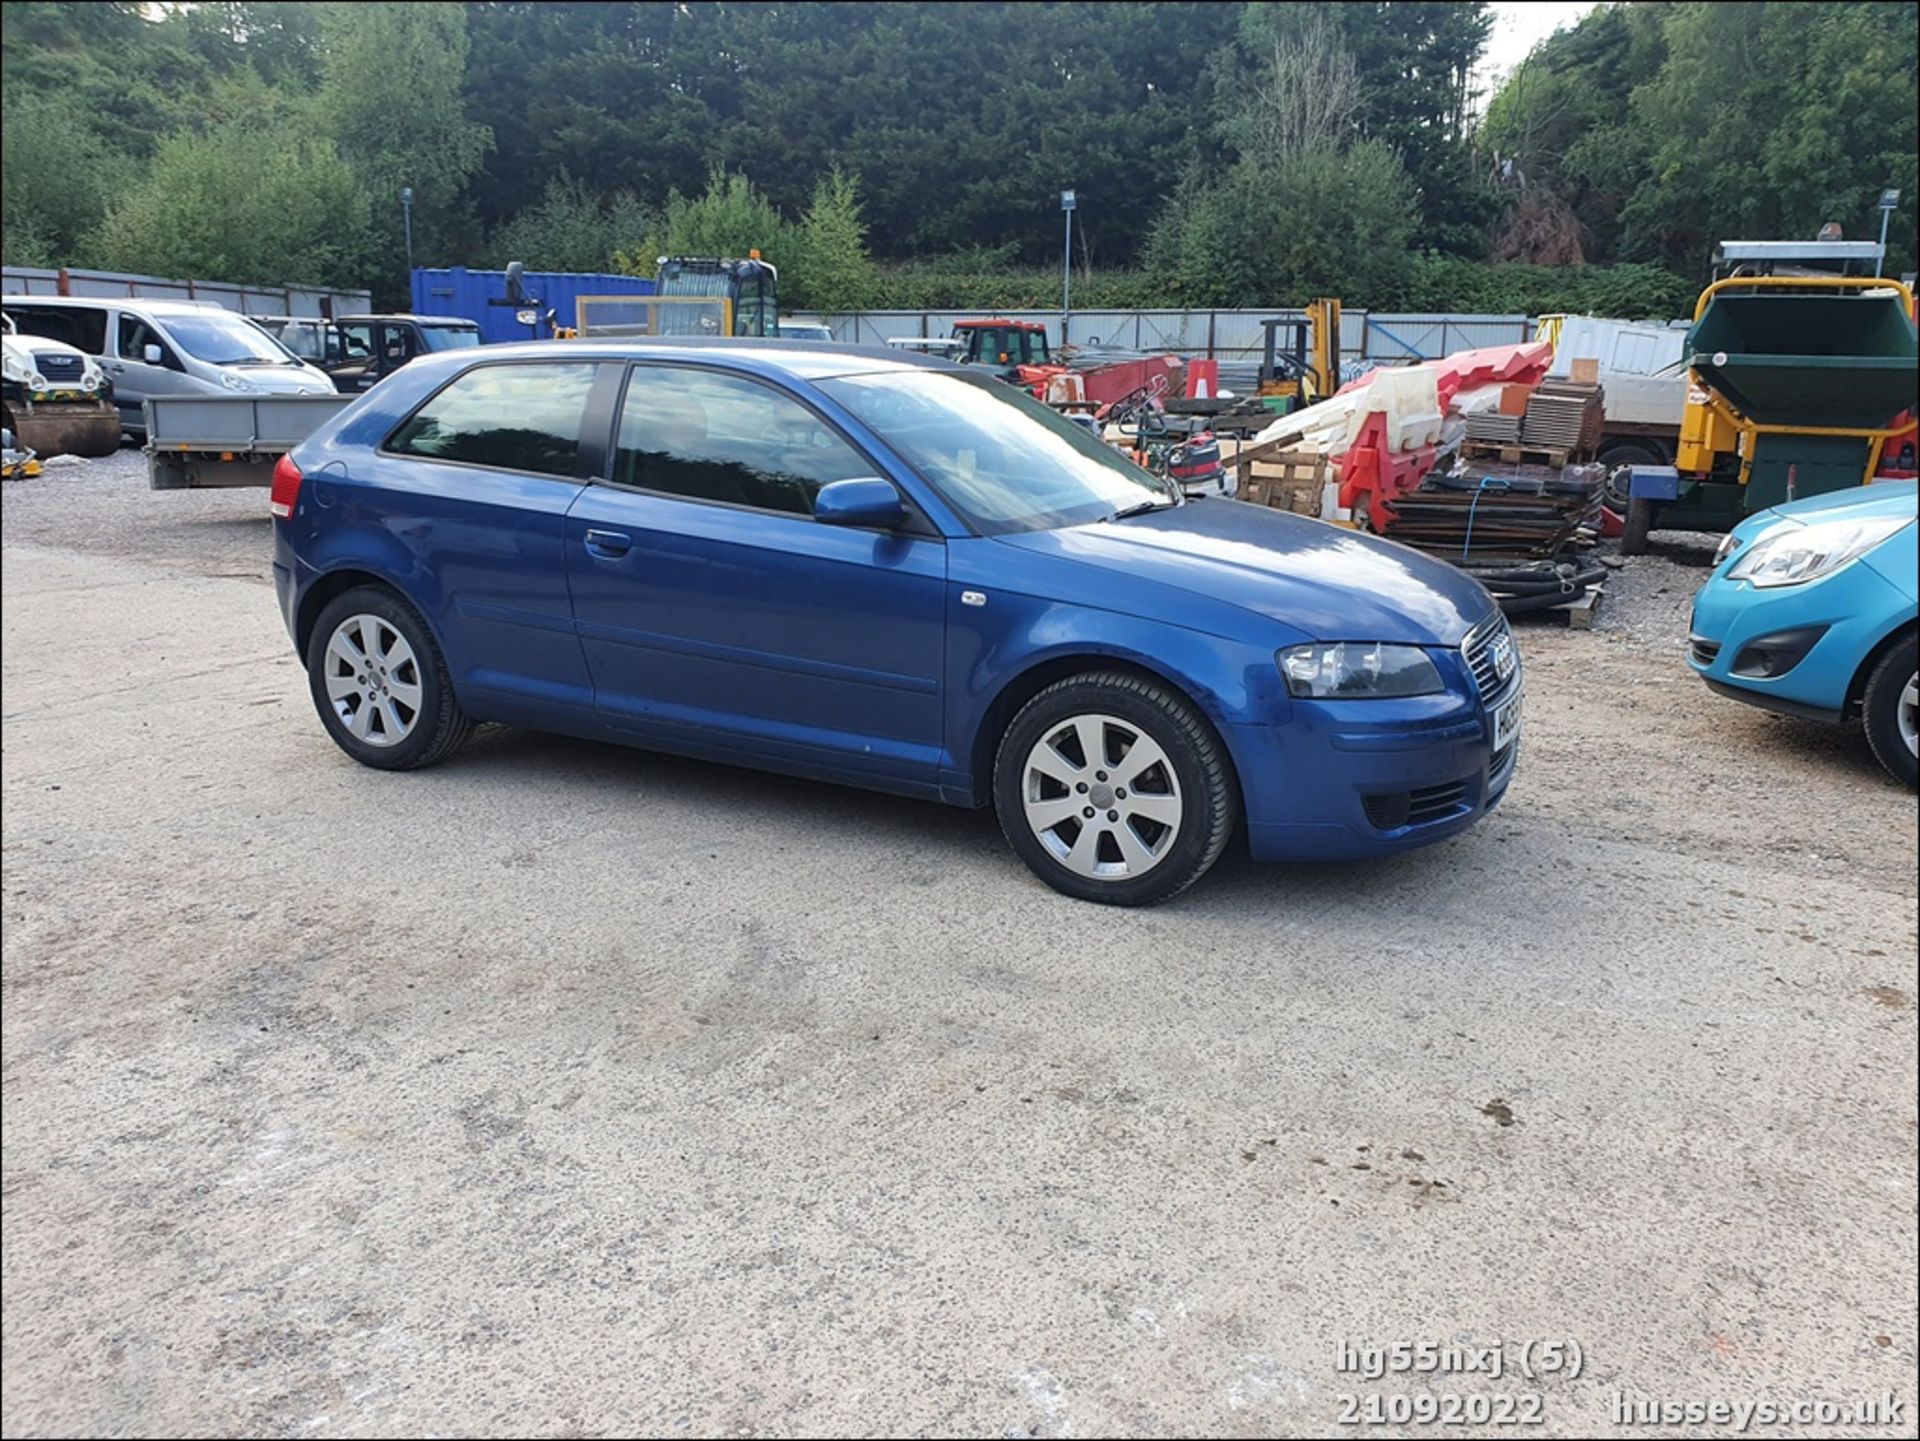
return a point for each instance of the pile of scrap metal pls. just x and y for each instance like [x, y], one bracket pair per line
[1416, 461]
[16, 462]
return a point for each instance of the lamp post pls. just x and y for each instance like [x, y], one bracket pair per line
[406, 219]
[1888, 199]
[1067, 204]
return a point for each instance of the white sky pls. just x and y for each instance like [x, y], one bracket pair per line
[1518, 27]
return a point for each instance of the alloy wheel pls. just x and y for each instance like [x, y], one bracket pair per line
[1101, 795]
[373, 680]
[1907, 713]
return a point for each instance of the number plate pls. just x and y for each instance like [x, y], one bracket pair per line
[1506, 722]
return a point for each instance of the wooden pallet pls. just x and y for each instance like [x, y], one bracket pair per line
[1513, 454]
[1283, 479]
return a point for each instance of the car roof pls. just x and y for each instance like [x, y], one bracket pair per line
[804, 359]
[130, 302]
[361, 315]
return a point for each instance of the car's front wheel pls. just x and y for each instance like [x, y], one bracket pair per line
[1113, 789]
[1890, 708]
[380, 683]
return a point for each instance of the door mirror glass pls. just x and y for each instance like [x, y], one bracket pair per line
[152, 354]
[867, 502]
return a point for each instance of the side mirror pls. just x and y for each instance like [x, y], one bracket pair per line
[153, 354]
[870, 503]
[516, 282]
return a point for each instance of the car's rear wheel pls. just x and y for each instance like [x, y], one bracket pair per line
[1890, 708]
[1113, 789]
[380, 683]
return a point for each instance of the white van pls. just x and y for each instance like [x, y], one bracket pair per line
[168, 347]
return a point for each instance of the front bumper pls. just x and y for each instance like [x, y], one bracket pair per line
[1792, 648]
[1350, 779]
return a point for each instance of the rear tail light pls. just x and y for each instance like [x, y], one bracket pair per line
[286, 488]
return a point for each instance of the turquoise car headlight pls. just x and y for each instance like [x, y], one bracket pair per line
[1357, 670]
[1793, 555]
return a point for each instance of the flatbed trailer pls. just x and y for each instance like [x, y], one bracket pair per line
[216, 441]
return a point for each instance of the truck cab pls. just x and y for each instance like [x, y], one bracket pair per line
[1003, 344]
[363, 350]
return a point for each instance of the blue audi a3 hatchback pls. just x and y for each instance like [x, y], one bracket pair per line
[886, 572]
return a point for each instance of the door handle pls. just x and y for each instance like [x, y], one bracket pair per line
[608, 544]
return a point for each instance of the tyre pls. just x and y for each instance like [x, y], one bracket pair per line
[1890, 709]
[1633, 541]
[380, 683]
[1113, 789]
[1617, 458]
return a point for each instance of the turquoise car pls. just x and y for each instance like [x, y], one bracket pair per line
[1810, 612]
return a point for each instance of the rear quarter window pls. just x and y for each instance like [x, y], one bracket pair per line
[511, 417]
[83, 329]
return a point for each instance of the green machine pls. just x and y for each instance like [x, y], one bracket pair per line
[1797, 383]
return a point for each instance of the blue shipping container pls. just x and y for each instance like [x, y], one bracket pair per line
[467, 293]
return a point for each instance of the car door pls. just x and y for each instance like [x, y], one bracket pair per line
[469, 497]
[136, 378]
[396, 348]
[713, 608]
[352, 365]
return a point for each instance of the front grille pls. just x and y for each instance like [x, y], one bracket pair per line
[55, 366]
[1703, 651]
[1482, 650]
[1434, 802]
[1396, 809]
[1500, 767]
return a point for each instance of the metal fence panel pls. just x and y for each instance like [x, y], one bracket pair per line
[1234, 337]
[122, 285]
[1410, 337]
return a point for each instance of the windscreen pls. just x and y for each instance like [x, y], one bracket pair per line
[999, 457]
[448, 337]
[225, 340]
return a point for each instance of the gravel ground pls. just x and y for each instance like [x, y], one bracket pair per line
[571, 1090]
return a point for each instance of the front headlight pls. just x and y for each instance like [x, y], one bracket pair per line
[1357, 670]
[1728, 545]
[1797, 554]
[238, 383]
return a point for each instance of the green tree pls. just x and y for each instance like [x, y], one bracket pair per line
[1768, 120]
[572, 228]
[1324, 222]
[56, 178]
[243, 203]
[728, 218]
[1666, 128]
[830, 268]
[391, 98]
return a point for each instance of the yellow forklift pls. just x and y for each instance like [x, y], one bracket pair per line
[1307, 367]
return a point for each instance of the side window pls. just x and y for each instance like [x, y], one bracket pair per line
[136, 335]
[707, 436]
[396, 345]
[83, 329]
[516, 417]
[356, 341]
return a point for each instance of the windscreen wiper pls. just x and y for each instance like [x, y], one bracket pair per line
[1142, 508]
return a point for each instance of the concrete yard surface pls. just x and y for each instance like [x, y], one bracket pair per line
[568, 1089]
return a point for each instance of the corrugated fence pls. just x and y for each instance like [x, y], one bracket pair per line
[246, 299]
[1234, 337]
